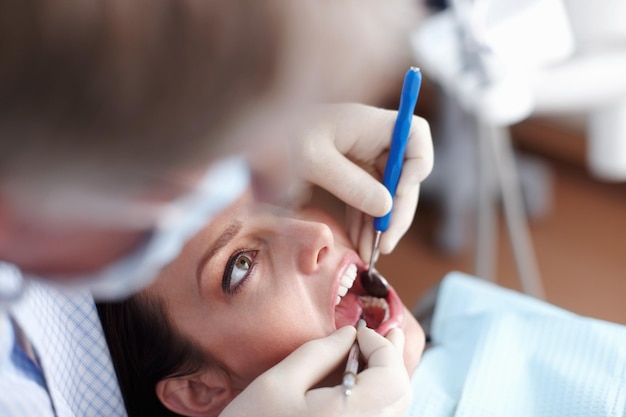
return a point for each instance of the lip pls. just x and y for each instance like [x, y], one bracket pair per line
[396, 307]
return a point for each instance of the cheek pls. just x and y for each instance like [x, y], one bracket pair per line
[254, 342]
[414, 342]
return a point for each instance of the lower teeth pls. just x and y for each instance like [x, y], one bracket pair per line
[368, 303]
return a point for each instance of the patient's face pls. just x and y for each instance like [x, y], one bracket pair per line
[255, 284]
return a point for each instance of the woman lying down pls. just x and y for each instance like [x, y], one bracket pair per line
[256, 284]
[250, 288]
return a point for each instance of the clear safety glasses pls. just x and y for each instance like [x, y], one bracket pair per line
[171, 225]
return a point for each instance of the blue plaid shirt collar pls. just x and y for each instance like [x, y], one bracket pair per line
[65, 332]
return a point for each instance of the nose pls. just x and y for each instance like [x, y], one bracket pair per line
[311, 242]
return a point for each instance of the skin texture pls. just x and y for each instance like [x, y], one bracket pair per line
[286, 299]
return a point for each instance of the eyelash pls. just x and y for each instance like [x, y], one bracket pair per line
[227, 276]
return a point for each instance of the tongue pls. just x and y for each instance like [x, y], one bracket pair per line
[350, 309]
[348, 312]
[374, 316]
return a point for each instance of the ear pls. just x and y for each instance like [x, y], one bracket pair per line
[205, 393]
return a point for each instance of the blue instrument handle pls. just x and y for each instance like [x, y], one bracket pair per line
[408, 99]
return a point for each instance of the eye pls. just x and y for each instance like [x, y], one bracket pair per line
[237, 270]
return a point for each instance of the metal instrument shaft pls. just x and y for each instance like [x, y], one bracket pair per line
[352, 365]
[371, 281]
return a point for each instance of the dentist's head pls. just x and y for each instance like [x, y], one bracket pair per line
[111, 110]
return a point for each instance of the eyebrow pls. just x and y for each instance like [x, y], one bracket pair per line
[223, 240]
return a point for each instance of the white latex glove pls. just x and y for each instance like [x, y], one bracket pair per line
[346, 152]
[383, 389]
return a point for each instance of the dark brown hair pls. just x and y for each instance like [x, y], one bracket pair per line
[145, 349]
[112, 85]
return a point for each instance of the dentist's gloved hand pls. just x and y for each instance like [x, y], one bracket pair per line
[346, 153]
[285, 390]
[344, 150]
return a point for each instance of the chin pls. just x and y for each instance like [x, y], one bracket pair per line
[414, 342]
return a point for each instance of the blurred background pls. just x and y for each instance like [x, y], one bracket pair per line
[555, 101]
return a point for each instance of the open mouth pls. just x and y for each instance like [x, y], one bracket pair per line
[352, 301]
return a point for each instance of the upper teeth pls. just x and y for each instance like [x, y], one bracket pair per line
[346, 282]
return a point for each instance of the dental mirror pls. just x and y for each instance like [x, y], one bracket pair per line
[374, 283]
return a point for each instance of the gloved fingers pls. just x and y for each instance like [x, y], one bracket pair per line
[385, 367]
[354, 225]
[397, 338]
[369, 142]
[379, 351]
[361, 226]
[346, 155]
[346, 180]
[418, 163]
[360, 231]
[419, 152]
[366, 241]
[404, 207]
[295, 371]
[291, 380]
